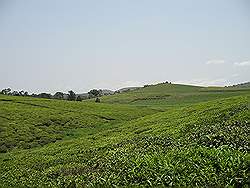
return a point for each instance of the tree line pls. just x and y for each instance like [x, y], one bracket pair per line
[71, 95]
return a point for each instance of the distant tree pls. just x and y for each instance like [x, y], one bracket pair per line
[100, 92]
[78, 98]
[58, 95]
[6, 91]
[26, 93]
[45, 95]
[95, 93]
[34, 95]
[21, 93]
[15, 93]
[98, 100]
[71, 95]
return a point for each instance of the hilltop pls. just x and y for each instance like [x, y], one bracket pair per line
[167, 95]
[242, 85]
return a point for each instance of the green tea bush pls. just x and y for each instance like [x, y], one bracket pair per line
[201, 145]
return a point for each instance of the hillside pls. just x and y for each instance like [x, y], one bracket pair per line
[161, 135]
[30, 122]
[242, 85]
[167, 95]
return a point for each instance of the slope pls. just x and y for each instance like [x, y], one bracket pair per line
[27, 122]
[167, 95]
[204, 144]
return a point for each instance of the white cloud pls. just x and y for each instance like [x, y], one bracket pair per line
[242, 64]
[215, 62]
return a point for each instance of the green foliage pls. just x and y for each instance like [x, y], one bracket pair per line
[95, 93]
[171, 95]
[28, 122]
[78, 98]
[58, 95]
[71, 95]
[89, 144]
[97, 100]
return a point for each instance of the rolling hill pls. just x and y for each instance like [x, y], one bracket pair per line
[161, 135]
[167, 95]
[242, 85]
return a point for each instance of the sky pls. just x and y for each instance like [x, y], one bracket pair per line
[62, 45]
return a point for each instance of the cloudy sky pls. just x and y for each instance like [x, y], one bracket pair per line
[48, 46]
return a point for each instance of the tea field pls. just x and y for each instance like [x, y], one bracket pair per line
[167, 95]
[161, 135]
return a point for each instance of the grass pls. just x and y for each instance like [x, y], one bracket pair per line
[172, 95]
[196, 144]
[28, 122]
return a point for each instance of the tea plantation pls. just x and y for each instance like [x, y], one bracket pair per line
[161, 135]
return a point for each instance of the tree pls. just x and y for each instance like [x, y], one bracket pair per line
[21, 93]
[58, 95]
[78, 98]
[6, 91]
[45, 95]
[26, 93]
[15, 93]
[98, 100]
[34, 95]
[95, 93]
[71, 95]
